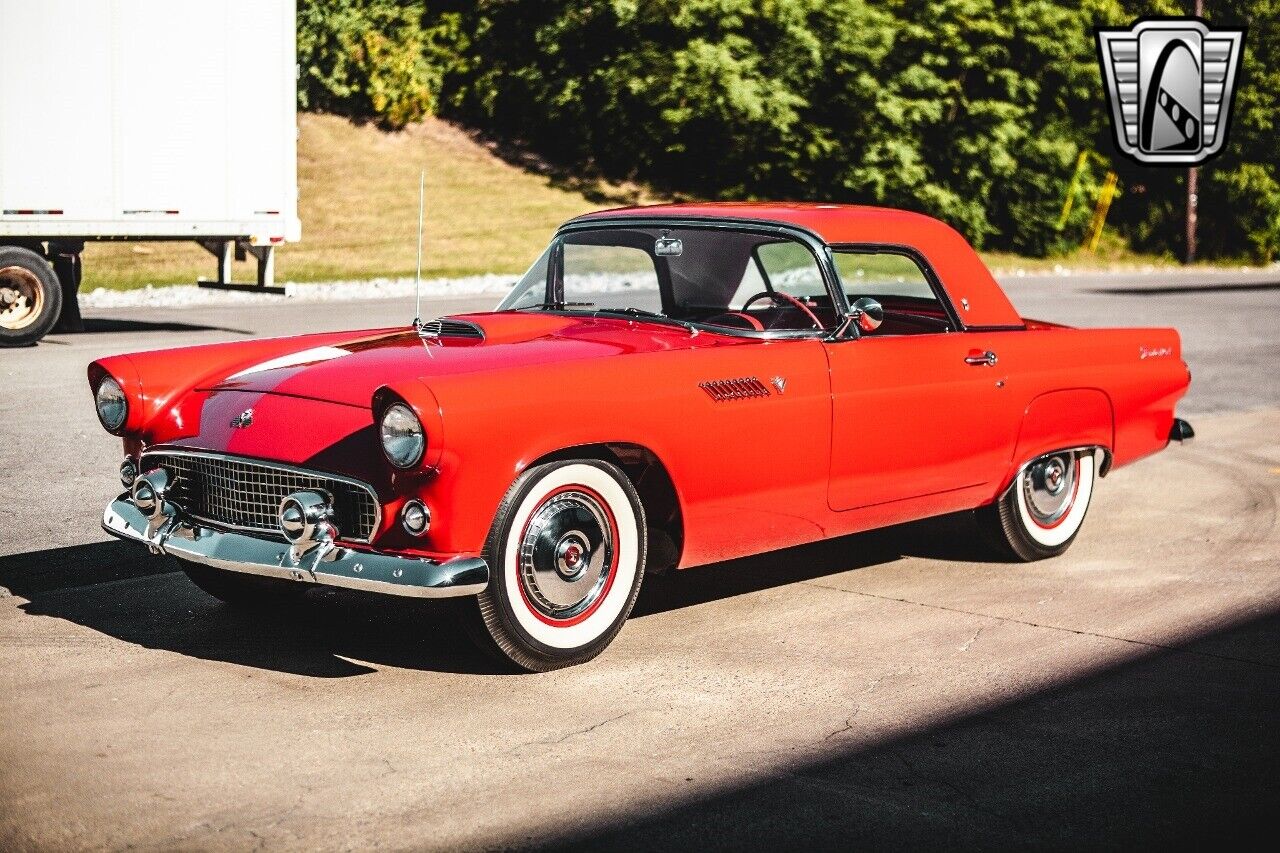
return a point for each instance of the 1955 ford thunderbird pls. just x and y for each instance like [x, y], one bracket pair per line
[665, 387]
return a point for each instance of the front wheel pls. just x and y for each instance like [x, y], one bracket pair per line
[567, 553]
[1042, 511]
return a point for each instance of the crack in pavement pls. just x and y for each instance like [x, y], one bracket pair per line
[848, 726]
[964, 647]
[1144, 643]
[574, 733]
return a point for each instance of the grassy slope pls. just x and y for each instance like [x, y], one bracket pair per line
[358, 203]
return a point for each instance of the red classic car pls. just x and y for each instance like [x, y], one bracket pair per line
[664, 388]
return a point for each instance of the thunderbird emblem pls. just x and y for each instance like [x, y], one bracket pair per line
[1169, 84]
[242, 420]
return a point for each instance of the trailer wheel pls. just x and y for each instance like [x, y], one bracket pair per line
[30, 297]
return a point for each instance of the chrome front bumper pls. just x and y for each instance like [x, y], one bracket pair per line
[332, 566]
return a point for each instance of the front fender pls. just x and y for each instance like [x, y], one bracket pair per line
[493, 426]
[749, 474]
[417, 396]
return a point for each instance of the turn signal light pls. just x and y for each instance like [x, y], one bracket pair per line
[415, 518]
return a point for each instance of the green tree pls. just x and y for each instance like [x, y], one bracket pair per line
[370, 59]
[971, 110]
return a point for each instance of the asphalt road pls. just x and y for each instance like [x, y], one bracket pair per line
[892, 689]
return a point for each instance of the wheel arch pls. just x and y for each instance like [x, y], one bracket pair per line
[1069, 419]
[652, 481]
[1104, 466]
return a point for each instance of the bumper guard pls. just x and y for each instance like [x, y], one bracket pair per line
[332, 565]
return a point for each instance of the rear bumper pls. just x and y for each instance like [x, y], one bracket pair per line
[335, 566]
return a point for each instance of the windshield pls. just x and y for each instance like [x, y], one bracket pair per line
[737, 280]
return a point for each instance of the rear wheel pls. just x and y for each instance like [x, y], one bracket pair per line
[240, 589]
[566, 553]
[1042, 511]
[30, 297]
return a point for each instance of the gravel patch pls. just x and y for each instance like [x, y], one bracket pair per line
[189, 295]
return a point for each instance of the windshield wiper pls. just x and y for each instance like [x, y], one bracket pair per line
[649, 315]
[557, 306]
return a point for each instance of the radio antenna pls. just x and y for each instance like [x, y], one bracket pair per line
[417, 274]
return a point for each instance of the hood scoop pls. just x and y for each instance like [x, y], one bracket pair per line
[446, 327]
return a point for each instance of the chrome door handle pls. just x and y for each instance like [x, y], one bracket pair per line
[985, 358]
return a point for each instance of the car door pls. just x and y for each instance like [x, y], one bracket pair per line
[918, 408]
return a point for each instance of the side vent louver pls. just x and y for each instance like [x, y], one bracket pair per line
[724, 390]
[446, 328]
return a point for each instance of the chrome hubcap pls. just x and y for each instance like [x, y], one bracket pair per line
[566, 554]
[1049, 487]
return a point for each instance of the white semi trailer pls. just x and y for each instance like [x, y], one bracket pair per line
[140, 120]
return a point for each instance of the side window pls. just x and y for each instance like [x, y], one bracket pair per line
[881, 274]
[791, 268]
[899, 284]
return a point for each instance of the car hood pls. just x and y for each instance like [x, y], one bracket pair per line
[349, 371]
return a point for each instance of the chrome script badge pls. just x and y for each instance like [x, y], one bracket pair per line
[1169, 83]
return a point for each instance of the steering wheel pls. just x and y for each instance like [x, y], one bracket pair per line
[777, 296]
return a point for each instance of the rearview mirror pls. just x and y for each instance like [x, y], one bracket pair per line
[867, 313]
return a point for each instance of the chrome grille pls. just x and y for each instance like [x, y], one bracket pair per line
[245, 495]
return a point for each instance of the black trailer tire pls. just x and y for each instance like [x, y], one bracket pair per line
[241, 590]
[30, 297]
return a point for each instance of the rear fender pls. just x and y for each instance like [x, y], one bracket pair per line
[1079, 417]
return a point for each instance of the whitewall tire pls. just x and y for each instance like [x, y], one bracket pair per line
[566, 557]
[1040, 514]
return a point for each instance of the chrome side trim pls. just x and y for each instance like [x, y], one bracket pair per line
[1103, 467]
[234, 552]
[161, 450]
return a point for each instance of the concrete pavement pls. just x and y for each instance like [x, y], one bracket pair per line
[890, 689]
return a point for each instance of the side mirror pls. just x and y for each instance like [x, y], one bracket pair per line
[867, 313]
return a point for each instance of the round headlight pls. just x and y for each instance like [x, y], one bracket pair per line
[113, 406]
[402, 437]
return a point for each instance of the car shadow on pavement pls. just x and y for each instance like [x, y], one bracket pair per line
[121, 590]
[1176, 749]
[949, 537]
[104, 325]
